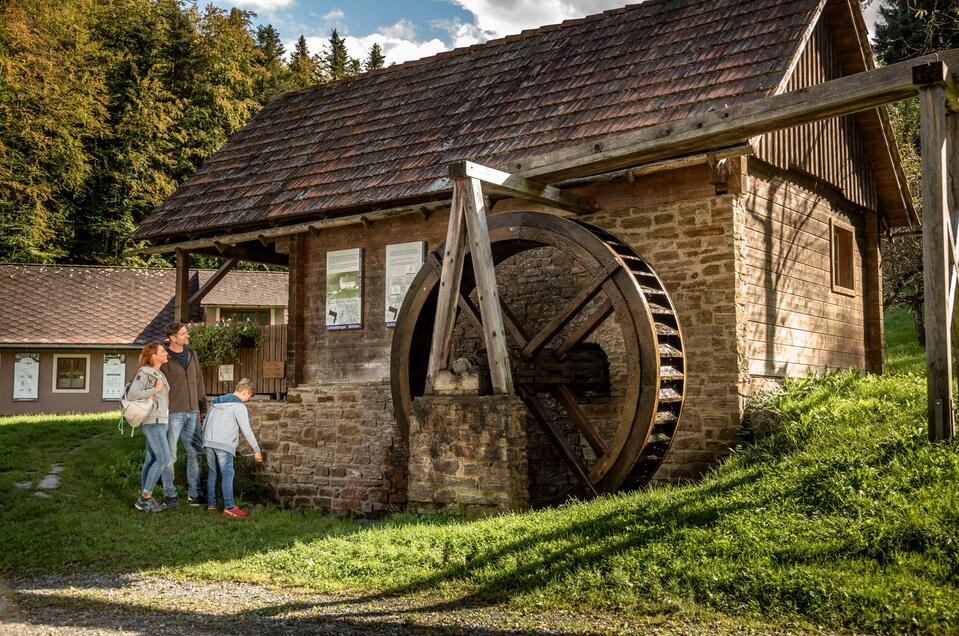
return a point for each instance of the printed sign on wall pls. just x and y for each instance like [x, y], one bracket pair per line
[344, 289]
[26, 376]
[224, 373]
[114, 374]
[403, 261]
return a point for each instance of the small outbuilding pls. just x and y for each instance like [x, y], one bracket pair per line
[753, 261]
[70, 336]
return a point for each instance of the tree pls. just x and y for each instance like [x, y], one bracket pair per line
[337, 60]
[277, 77]
[909, 28]
[375, 59]
[303, 67]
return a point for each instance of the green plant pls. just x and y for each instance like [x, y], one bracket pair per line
[216, 342]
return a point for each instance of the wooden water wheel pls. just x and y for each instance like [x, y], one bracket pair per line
[554, 366]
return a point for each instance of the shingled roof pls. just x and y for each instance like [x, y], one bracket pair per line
[389, 135]
[113, 306]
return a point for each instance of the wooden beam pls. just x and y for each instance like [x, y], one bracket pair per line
[937, 72]
[182, 289]
[484, 271]
[936, 262]
[315, 226]
[500, 182]
[732, 125]
[451, 274]
[244, 253]
[218, 275]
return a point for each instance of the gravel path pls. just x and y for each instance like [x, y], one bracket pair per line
[100, 605]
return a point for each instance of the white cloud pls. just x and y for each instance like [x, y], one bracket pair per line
[398, 42]
[498, 18]
[265, 5]
[334, 15]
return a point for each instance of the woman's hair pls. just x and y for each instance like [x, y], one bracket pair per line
[147, 352]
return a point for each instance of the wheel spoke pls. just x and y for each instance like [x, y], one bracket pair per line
[585, 328]
[566, 398]
[573, 307]
[557, 437]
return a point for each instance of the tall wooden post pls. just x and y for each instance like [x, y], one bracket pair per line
[937, 256]
[182, 286]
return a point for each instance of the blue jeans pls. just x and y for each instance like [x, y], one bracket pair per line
[185, 426]
[157, 461]
[219, 461]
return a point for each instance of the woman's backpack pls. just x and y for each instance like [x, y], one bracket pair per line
[135, 412]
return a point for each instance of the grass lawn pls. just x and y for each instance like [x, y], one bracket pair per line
[844, 517]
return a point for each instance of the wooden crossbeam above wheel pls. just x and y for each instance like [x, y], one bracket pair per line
[499, 182]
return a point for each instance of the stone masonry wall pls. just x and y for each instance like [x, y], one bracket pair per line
[468, 454]
[335, 448]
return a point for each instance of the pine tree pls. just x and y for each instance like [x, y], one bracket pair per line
[303, 67]
[337, 60]
[910, 28]
[375, 59]
[277, 77]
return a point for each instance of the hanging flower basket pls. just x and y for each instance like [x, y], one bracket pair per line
[217, 342]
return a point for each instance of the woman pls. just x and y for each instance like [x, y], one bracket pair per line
[158, 462]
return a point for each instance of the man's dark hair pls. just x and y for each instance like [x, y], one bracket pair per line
[173, 327]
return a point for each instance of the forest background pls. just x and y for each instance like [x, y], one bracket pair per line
[106, 106]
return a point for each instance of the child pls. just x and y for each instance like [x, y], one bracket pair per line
[227, 416]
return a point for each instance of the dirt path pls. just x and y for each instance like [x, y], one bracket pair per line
[113, 605]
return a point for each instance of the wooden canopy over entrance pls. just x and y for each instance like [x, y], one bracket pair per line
[721, 133]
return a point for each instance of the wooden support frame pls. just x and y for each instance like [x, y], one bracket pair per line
[218, 275]
[497, 181]
[182, 292]
[940, 254]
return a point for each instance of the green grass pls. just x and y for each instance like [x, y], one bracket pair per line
[845, 517]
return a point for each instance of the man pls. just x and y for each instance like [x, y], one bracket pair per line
[187, 399]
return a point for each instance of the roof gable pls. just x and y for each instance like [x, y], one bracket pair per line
[389, 136]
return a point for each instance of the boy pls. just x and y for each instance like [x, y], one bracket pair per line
[226, 417]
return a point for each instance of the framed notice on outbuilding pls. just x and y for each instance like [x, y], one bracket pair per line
[403, 261]
[344, 289]
[26, 376]
[114, 374]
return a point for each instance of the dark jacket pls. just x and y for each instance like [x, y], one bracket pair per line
[187, 392]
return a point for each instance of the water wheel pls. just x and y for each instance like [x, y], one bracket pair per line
[557, 371]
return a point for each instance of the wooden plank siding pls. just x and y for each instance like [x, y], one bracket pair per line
[248, 363]
[833, 149]
[796, 323]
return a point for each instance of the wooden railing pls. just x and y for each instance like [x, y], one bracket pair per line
[264, 364]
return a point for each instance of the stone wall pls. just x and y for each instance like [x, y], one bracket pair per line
[335, 448]
[468, 454]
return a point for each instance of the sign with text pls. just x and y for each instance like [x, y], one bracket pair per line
[114, 374]
[26, 376]
[224, 373]
[344, 289]
[403, 261]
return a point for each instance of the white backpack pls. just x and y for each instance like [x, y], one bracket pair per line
[135, 412]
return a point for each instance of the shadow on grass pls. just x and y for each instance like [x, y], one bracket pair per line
[298, 617]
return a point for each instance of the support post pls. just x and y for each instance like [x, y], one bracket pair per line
[182, 286]
[449, 291]
[485, 273]
[936, 260]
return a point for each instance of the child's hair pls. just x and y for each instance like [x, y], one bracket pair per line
[245, 384]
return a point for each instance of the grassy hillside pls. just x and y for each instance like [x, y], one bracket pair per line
[844, 516]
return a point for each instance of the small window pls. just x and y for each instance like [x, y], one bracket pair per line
[843, 258]
[70, 374]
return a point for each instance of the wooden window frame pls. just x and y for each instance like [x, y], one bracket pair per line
[86, 375]
[835, 285]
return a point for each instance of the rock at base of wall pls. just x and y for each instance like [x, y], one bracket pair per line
[468, 455]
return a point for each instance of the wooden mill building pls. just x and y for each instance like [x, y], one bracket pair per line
[768, 247]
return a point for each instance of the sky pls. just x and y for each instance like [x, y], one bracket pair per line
[411, 29]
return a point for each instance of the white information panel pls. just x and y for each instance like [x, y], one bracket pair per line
[114, 375]
[224, 373]
[26, 376]
[344, 289]
[403, 261]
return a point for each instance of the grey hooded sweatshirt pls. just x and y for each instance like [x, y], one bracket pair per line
[226, 417]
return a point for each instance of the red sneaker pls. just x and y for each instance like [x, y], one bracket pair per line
[235, 511]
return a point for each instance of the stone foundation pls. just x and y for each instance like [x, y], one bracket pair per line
[335, 448]
[468, 455]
